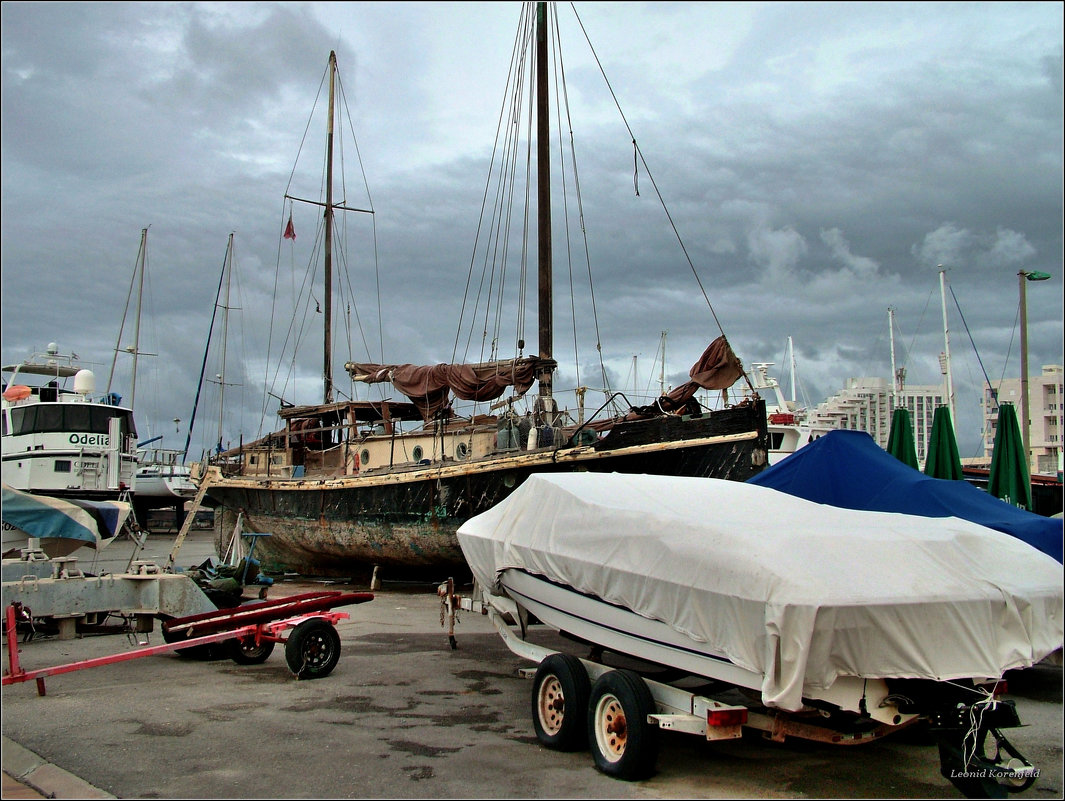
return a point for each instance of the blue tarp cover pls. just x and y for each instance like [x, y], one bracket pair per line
[848, 469]
[91, 523]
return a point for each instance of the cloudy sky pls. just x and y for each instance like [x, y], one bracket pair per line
[819, 162]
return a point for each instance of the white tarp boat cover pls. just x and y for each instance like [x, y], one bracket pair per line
[797, 591]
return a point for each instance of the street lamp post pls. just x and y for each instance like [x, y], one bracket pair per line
[1022, 276]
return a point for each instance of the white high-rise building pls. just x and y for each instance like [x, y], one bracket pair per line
[866, 404]
[1045, 399]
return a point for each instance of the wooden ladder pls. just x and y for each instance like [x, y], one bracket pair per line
[187, 524]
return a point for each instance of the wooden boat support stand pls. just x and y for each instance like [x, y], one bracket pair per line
[249, 633]
[624, 747]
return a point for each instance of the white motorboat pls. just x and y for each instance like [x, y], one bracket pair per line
[59, 440]
[789, 426]
[162, 478]
[876, 619]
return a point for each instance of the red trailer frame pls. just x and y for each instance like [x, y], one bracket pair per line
[311, 650]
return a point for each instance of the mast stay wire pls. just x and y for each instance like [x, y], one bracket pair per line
[639, 153]
[484, 221]
[562, 93]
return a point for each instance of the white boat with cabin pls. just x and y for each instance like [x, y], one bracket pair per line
[61, 440]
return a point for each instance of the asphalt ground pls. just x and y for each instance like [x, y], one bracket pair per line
[404, 715]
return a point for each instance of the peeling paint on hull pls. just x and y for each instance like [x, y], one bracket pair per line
[405, 521]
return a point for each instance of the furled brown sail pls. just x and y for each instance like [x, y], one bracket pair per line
[429, 386]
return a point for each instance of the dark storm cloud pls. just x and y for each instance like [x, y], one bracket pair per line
[819, 161]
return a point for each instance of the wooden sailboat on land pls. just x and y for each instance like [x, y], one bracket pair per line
[343, 487]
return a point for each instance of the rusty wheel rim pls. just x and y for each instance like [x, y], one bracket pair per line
[551, 705]
[611, 730]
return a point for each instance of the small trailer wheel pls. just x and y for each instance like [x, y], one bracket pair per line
[560, 702]
[245, 652]
[313, 649]
[624, 745]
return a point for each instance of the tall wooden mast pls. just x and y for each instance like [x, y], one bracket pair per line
[327, 370]
[543, 217]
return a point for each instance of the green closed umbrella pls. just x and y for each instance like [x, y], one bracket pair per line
[900, 439]
[1009, 478]
[943, 460]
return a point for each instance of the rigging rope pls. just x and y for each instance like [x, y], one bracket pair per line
[639, 159]
[303, 292]
[978, 359]
[612, 399]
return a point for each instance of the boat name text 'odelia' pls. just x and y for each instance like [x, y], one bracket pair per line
[89, 439]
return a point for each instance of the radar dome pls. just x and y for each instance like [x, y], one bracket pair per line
[85, 382]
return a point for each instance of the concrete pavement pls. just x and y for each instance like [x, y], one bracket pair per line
[404, 716]
[29, 776]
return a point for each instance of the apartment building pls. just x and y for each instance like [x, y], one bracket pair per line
[866, 404]
[1045, 399]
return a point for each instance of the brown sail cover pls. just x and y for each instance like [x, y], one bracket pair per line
[717, 368]
[428, 386]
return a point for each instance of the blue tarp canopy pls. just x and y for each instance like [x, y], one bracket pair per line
[848, 469]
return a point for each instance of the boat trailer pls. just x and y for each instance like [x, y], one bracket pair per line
[248, 632]
[582, 703]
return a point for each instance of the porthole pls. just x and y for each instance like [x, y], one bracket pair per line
[364, 457]
[462, 451]
[417, 453]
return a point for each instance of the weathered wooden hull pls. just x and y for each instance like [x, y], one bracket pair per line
[405, 521]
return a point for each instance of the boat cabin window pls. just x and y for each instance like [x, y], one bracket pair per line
[62, 466]
[69, 417]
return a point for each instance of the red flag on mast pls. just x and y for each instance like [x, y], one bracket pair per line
[290, 231]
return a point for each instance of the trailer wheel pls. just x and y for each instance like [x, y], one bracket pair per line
[245, 652]
[313, 649]
[560, 702]
[624, 744]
